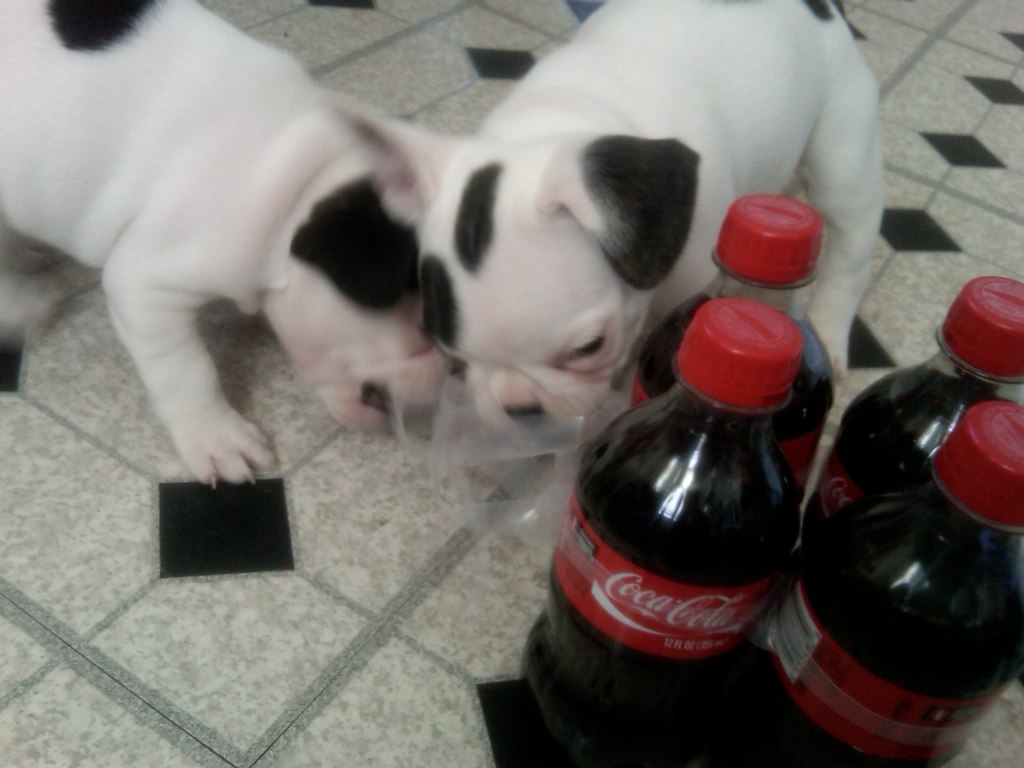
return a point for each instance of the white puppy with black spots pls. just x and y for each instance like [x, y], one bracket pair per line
[152, 140]
[589, 201]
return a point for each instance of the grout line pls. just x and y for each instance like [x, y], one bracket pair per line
[110, 451]
[450, 667]
[108, 620]
[562, 36]
[939, 186]
[366, 644]
[311, 454]
[411, 29]
[67, 650]
[336, 595]
[934, 36]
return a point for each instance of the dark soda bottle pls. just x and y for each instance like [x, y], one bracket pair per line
[906, 623]
[683, 515]
[890, 430]
[767, 250]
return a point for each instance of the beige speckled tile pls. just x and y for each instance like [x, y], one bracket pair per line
[909, 301]
[232, 653]
[905, 148]
[1001, 188]
[999, 741]
[888, 43]
[319, 36]
[934, 100]
[365, 516]
[20, 656]
[901, 192]
[462, 111]
[399, 711]
[65, 721]
[251, 12]
[480, 28]
[415, 11]
[982, 233]
[926, 14]
[963, 61]
[981, 26]
[1003, 132]
[550, 15]
[479, 616]
[74, 523]
[405, 76]
[78, 367]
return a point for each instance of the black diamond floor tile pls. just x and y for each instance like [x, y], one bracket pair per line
[582, 10]
[998, 91]
[907, 229]
[500, 64]
[963, 151]
[368, 4]
[865, 351]
[229, 529]
[10, 368]
[1017, 38]
[516, 730]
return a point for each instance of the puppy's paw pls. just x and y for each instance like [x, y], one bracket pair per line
[223, 446]
[835, 335]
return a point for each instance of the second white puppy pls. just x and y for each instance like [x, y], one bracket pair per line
[591, 198]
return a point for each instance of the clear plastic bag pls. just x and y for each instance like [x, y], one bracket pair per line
[514, 479]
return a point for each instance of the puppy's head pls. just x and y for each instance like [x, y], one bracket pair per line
[538, 259]
[349, 312]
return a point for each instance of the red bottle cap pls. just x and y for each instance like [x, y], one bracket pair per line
[770, 239]
[981, 463]
[984, 326]
[741, 353]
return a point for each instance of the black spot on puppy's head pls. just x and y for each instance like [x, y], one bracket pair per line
[93, 25]
[646, 190]
[474, 226]
[368, 256]
[440, 312]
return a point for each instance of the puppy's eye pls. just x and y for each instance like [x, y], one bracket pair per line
[590, 348]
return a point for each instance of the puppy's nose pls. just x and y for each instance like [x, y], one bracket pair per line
[524, 413]
[374, 395]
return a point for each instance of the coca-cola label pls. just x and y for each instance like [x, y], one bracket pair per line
[799, 453]
[647, 612]
[836, 488]
[856, 706]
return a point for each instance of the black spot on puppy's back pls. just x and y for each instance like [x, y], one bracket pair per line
[474, 226]
[93, 25]
[369, 257]
[440, 313]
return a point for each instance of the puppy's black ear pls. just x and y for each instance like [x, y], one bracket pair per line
[367, 255]
[635, 196]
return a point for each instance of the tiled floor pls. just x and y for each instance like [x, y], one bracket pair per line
[375, 618]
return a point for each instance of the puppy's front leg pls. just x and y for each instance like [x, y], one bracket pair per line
[844, 173]
[158, 326]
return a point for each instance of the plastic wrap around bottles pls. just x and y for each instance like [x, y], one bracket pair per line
[515, 478]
